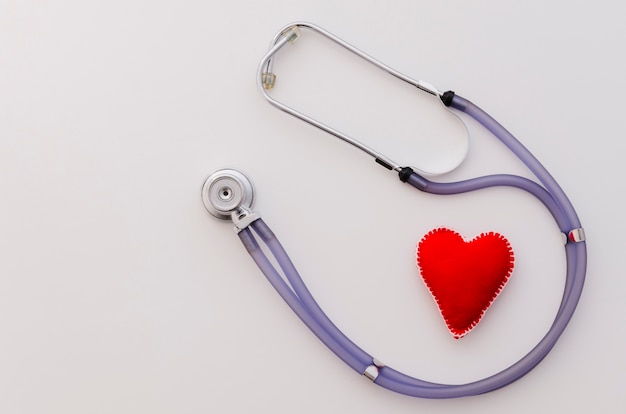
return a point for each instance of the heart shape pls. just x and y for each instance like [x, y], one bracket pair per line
[464, 277]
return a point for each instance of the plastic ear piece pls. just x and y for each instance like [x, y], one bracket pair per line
[292, 34]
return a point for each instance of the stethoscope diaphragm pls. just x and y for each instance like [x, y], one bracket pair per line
[226, 192]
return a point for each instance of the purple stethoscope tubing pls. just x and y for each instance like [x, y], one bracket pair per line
[300, 300]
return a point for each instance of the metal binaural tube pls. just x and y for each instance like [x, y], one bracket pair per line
[266, 79]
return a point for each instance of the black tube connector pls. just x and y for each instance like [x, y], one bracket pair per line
[447, 97]
[405, 173]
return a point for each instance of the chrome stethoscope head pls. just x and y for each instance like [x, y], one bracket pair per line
[228, 194]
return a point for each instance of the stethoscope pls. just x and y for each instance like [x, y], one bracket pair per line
[228, 194]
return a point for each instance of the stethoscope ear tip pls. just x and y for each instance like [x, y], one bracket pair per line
[227, 191]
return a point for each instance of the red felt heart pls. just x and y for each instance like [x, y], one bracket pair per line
[464, 277]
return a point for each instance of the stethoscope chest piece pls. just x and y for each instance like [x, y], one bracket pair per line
[226, 192]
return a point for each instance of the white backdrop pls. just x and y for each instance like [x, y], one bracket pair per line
[119, 293]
